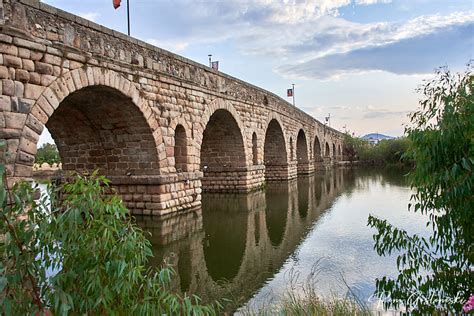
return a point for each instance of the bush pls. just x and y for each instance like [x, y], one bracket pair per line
[387, 151]
[353, 146]
[435, 272]
[82, 256]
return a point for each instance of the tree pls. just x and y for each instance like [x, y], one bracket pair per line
[47, 153]
[353, 146]
[392, 150]
[81, 256]
[435, 272]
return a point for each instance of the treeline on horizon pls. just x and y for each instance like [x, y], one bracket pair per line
[385, 152]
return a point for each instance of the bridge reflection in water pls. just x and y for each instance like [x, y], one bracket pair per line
[236, 242]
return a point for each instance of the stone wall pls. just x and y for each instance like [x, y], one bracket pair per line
[162, 127]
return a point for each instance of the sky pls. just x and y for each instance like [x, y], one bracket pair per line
[360, 61]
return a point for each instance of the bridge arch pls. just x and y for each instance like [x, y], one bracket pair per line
[317, 156]
[291, 149]
[211, 109]
[223, 136]
[180, 149]
[98, 121]
[327, 151]
[222, 150]
[275, 155]
[182, 142]
[254, 149]
[334, 153]
[301, 153]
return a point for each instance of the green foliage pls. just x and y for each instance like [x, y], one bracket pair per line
[391, 150]
[80, 256]
[387, 151]
[435, 272]
[47, 153]
[353, 146]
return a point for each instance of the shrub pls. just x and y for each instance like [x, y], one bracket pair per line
[435, 272]
[81, 256]
[387, 151]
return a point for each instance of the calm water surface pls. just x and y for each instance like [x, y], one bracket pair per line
[251, 248]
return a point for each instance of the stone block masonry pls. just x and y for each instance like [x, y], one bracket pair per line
[163, 128]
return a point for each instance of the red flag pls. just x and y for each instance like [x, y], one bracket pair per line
[116, 3]
[289, 92]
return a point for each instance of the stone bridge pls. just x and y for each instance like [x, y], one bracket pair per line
[161, 127]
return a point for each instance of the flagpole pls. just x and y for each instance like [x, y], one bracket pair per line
[293, 94]
[128, 16]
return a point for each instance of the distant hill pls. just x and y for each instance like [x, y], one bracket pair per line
[376, 137]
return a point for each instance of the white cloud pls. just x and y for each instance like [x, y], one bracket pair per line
[370, 2]
[414, 47]
[252, 21]
[332, 35]
[91, 16]
[296, 32]
[297, 12]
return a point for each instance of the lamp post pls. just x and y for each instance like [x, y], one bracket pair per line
[128, 16]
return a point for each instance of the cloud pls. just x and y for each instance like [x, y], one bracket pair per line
[311, 39]
[252, 24]
[296, 12]
[384, 114]
[362, 112]
[91, 16]
[370, 2]
[413, 48]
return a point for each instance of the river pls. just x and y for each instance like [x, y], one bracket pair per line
[251, 248]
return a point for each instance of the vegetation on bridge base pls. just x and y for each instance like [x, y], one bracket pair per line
[435, 272]
[83, 256]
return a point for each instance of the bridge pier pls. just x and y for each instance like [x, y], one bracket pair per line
[305, 168]
[222, 179]
[158, 195]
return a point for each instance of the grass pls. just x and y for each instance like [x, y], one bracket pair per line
[293, 304]
[301, 298]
